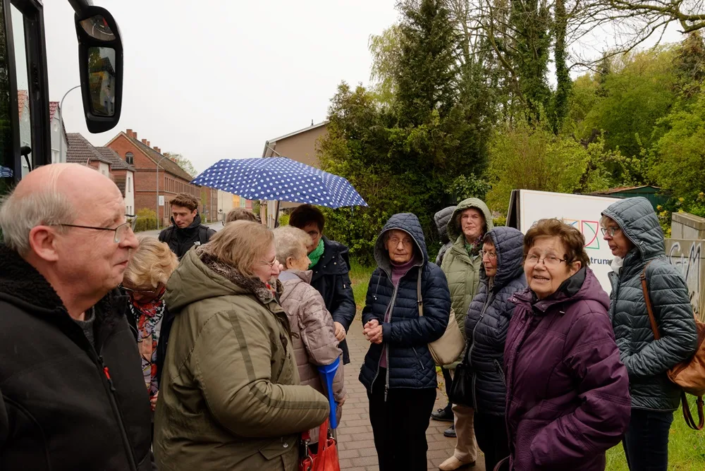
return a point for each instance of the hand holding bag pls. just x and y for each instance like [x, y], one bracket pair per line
[327, 457]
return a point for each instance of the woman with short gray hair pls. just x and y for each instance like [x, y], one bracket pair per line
[312, 329]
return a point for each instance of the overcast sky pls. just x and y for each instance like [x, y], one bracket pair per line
[215, 79]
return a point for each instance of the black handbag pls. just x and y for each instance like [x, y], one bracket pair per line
[461, 390]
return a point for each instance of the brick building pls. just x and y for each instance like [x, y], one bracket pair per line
[107, 162]
[172, 178]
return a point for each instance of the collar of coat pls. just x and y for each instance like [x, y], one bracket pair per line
[23, 286]
[303, 275]
[251, 284]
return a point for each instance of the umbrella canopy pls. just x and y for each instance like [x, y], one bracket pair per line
[280, 179]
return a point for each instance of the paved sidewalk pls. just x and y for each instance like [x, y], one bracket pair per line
[356, 446]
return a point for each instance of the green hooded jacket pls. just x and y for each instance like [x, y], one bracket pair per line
[230, 397]
[463, 272]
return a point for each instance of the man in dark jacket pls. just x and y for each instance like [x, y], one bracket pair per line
[330, 264]
[632, 230]
[186, 229]
[399, 372]
[73, 395]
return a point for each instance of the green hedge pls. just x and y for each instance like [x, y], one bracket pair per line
[146, 220]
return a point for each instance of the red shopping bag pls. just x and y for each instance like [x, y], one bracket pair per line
[327, 457]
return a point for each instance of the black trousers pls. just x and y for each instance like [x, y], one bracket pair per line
[399, 425]
[449, 383]
[646, 440]
[491, 435]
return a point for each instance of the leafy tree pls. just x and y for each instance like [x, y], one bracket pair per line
[182, 162]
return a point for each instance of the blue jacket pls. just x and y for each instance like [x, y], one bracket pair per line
[406, 336]
[487, 322]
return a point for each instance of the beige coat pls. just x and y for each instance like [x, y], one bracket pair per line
[312, 331]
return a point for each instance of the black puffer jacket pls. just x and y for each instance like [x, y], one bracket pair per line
[181, 240]
[66, 405]
[331, 278]
[487, 322]
[647, 360]
[407, 335]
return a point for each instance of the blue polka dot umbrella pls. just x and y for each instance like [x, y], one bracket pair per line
[280, 179]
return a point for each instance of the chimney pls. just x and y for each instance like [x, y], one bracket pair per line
[134, 135]
[159, 151]
[149, 144]
[129, 133]
[144, 141]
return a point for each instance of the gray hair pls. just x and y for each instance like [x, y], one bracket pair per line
[20, 214]
[289, 242]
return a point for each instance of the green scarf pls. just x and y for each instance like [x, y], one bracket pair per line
[474, 249]
[316, 255]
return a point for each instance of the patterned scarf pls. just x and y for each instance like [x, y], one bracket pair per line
[316, 255]
[474, 248]
[148, 318]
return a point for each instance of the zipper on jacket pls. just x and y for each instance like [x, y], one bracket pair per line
[418, 358]
[490, 298]
[501, 373]
[116, 410]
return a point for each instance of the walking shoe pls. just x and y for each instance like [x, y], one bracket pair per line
[450, 432]
[443, 415]
[453, 463]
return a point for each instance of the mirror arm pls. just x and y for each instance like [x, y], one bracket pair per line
[79, 6]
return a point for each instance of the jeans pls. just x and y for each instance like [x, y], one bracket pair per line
[399, 425]
[646, 440]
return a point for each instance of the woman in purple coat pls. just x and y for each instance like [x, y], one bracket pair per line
[567, 391]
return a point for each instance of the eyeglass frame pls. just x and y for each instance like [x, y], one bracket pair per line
[154, 292]
[131, 225]
[543, 260]
[611, 230]
[490, 255]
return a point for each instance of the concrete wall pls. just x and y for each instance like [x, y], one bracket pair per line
[687, 226]
[689, 257]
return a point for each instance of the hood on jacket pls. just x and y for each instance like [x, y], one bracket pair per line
[442, 218]
[454, 230]
[509, 245]
[200, 277]
[637, 218]
[581, 286]
[408, 223]
[196, 222]
[296, 275]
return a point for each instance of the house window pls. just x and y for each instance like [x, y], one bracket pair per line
[130, 158]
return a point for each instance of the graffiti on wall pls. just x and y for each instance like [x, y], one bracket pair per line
[689, 266]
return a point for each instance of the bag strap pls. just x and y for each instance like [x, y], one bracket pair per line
[647, 300]
[688, 416]
[203, 235]
[418, 294]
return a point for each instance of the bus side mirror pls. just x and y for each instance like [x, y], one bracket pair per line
[101, 63]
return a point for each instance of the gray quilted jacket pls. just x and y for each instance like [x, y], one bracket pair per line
[647, 360]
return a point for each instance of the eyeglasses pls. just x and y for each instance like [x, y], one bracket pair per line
[548, 260]
[396, 240]
[271, 264]
[120, 231]
[490, 255]
[610, 230]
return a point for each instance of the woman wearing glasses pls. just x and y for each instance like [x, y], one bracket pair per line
[486, 325]
[567, 391]
[633, 233]
[230, 395]
[145, 283]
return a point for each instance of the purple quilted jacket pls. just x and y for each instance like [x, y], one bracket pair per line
[567, 391]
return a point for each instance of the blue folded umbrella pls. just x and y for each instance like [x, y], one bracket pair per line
[328, 373]
[280, 179]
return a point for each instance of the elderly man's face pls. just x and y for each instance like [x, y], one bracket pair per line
[92, 257]
[400, 246]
